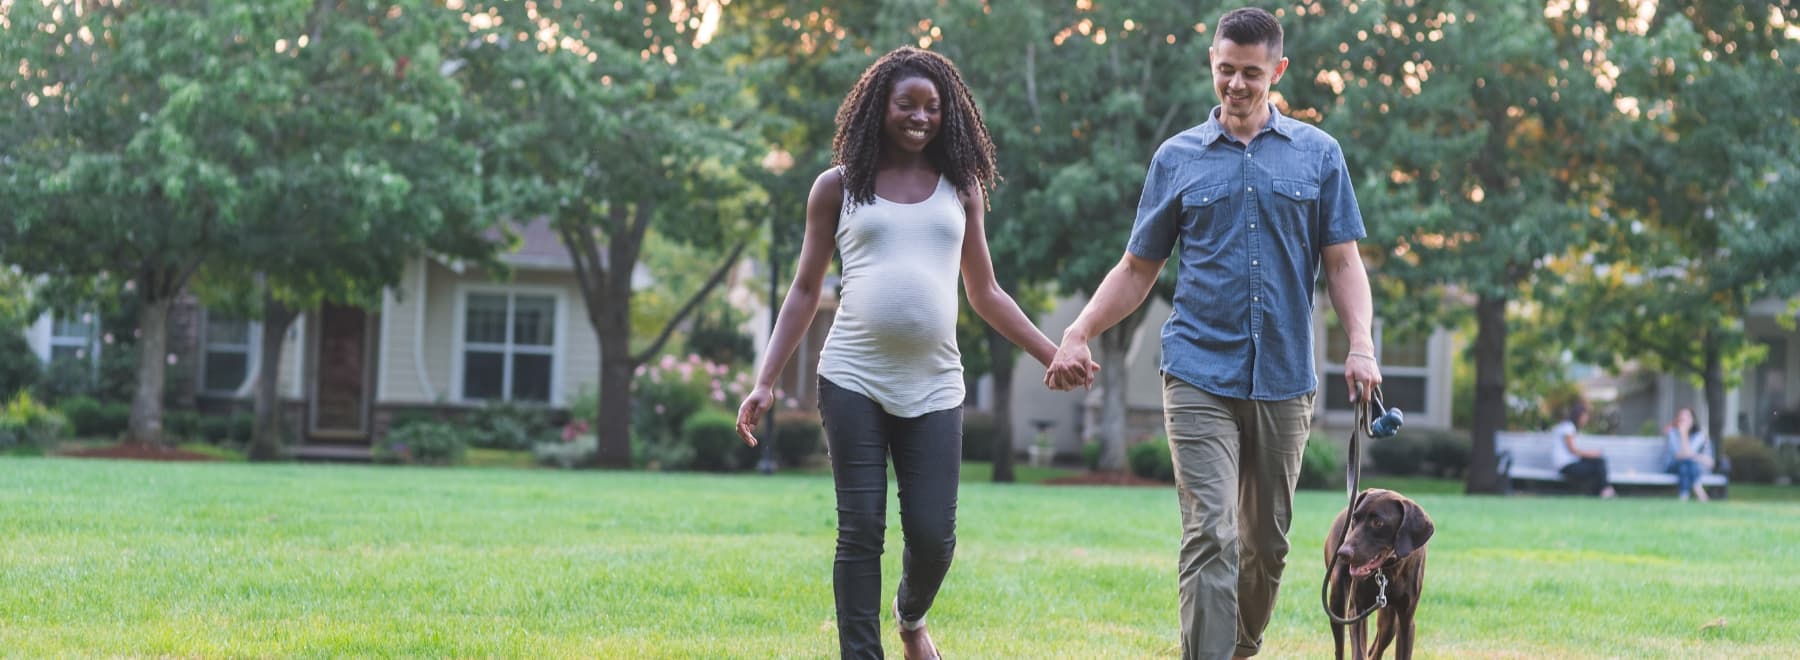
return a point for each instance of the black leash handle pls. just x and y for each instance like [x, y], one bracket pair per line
[1352, 480]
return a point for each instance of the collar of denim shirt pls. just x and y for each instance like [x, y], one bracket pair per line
[1212, 130]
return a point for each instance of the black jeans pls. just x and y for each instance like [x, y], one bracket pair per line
[927, 453]
[1588, 474]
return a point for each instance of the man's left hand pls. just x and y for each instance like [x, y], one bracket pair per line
[1362, 374]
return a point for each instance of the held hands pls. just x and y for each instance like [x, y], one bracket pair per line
[751, 412]
[1072, 367]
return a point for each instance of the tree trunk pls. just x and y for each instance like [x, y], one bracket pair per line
[1000, 357]
[613, 324]
[1713, 380]
[1110, 429]
[265, 441]
[1490, 393]
[147, 402]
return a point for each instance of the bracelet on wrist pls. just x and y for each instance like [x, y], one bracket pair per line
[1359, 354]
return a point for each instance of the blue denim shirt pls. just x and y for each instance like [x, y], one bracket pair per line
[1253, 221]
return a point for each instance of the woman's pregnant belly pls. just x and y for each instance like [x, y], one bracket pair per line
[901, 310]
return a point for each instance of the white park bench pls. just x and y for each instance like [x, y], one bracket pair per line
[1631, 460]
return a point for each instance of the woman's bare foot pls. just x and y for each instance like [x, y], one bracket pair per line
[1700, 492]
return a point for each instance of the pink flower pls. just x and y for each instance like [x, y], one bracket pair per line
[668, 361]
[693, 358]
[659, 409]
[640, 370]
[574, 429]
[171, 358]
[793, 402]
[718, 396]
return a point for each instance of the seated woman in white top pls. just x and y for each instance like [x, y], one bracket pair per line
[1586, 468]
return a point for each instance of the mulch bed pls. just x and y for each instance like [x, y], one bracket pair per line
[138, 451]
[1104, 479]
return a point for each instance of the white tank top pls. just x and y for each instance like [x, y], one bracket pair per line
[894, 338]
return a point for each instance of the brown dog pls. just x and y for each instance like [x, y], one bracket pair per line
[1387, 534]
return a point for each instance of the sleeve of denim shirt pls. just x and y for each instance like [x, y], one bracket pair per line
[1337, 200]
[1159, 212]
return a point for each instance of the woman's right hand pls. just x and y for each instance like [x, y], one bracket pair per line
[751, 411]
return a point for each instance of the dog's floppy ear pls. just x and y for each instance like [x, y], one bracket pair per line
[1415, 529]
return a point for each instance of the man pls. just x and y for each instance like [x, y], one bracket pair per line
[1257, 201]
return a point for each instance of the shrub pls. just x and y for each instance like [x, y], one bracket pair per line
[1446, 452]
[1400, 456]
[1320, 468]
[799, 436]
[1787, 459]
[243, 426]
[978, 435]
[19, 367]
[425, 443]
[667, 455]
[181, 425]
[713, 436]
[93, 419]
[1751, 460]
[572, 451]
[1151, 460]
[26, 423]
[215, 428]
[509, 426]
[1090, 455]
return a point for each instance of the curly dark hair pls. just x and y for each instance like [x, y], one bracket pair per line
[962, 150]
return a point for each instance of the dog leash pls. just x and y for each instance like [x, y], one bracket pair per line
[1384, 426]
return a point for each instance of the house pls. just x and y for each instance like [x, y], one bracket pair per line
[445, 336]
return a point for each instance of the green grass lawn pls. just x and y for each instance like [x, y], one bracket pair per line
[106, 558]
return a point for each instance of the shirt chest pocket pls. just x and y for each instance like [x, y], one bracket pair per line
[1204, 213]
[1296, 203]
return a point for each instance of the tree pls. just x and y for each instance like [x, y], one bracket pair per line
[1079, 97]
[125, 143]
[613, 119]
[306, 152]
[1473, 126]
[1704, 195]
[364, 162]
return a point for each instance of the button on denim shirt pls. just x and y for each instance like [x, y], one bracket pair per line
[1252, 223]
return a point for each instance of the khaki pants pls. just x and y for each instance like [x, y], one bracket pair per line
[1236, 464]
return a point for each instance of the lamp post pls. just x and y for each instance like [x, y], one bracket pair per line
[776, 162]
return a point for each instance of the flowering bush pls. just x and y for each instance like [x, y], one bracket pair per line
[667, 392]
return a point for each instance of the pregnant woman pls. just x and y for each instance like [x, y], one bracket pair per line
[903, 205]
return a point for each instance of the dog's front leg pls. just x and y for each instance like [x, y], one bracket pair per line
[1384, 632]
[1403, 644]
[1359, 639]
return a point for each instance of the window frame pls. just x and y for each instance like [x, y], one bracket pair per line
[252, 349]
[557, 351]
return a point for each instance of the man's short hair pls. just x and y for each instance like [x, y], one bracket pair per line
[1250, 26]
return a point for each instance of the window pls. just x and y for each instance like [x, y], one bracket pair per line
[509, 346]
[228, 351]
[1404, 369]
[74, 337]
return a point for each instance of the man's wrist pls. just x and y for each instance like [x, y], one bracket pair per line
[1074, 334]
[1360, 354]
